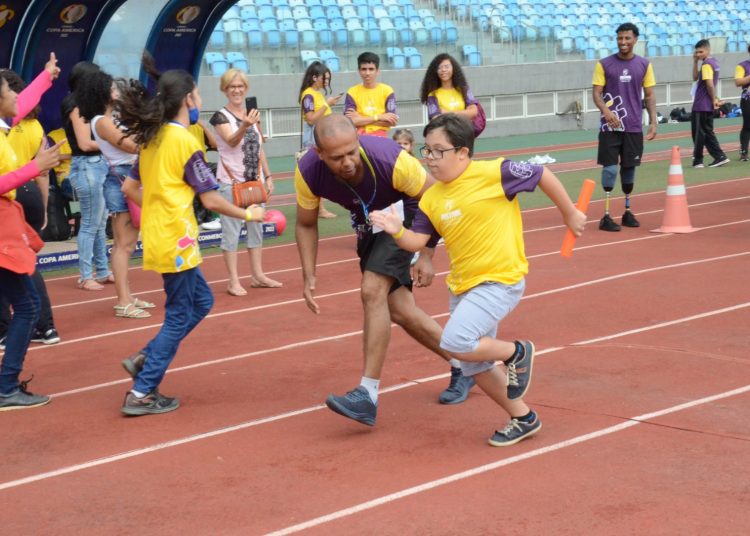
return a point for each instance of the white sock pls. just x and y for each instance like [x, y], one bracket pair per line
[138, 394]
[455, 363]
[372, 387]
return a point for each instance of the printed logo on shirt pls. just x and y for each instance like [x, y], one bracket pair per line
[625, 77]
[522, 170]
[615, 105]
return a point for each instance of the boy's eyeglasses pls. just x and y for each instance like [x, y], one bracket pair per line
[435, 154]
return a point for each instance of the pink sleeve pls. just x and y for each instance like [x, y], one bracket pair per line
[30, 97]
[14, 179]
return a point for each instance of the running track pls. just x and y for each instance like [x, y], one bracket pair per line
[641, 381]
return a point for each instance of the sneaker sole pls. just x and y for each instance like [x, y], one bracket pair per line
[135, 412]
[516, 440]
[526, 346]
[341, 410]
[719, 164]
[29, 406]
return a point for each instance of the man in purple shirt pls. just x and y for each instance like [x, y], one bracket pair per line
[706, 74]
[363, 174]
[618, 83]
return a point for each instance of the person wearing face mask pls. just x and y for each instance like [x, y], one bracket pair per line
[241, 158]
[169, 172]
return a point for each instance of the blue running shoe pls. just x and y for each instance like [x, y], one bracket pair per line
[459, 388]
[356, 404]
[519, 372]
[514, 432]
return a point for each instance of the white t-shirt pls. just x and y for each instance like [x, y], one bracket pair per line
[113, 154]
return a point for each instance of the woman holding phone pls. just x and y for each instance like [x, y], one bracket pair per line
[241, 158]
[315, 106]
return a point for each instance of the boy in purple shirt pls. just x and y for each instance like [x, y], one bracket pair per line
[618, 82]
[706, 73]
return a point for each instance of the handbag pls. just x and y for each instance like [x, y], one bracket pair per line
[247, 193]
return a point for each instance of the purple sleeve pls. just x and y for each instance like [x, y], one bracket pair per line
[433, 108]
[469, 98]
[422, 225]
[135, 170]
[518, 177]
[198, 175]
[390, 104]
[349, 104]
[308, 104]
[31, 95]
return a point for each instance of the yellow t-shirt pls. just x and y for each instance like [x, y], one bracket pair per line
[197, 131]
[63, 169]
[482, 228]
[8, 162]
[168, 226]
[318, 102]
[371, 102]
[449, 100]
[26, 139]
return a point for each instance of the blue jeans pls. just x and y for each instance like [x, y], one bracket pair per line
[18, 289]
[188, 301]
[87, 175]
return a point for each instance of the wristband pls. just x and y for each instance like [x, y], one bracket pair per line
[376, 118]
[400, 233]
[248, 214]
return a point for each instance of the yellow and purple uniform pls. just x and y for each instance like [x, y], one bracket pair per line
[370, 102]
[443, 101]
[172, 170]
[622, 83]
[479, 217]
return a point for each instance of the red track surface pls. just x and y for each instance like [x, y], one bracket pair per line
[642, 382]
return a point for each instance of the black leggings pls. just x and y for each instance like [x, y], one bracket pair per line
[745, 132]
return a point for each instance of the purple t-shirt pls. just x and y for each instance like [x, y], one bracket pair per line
[623, 86]
[746, 88]
[702, 101]
[376, 193]
[515, 177]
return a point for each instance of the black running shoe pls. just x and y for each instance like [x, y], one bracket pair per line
[608, 224]
[47, 337]
[519, 371]
[514, 432]
[356, 404]
[719, 162]
[628, 220]
[152, 403]
[134, 364]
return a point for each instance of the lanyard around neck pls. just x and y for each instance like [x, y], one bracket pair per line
[365, 206]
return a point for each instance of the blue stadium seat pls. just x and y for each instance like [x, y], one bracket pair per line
[217, 39]
[421, 36]
[308, 38]
[255, 39]
[374, 37]
[238, 61]
[308, 56]
[414, 57]
[273, 39]
[325, 38]
[358, 37]
[291, 38]
[475, 59]
[406, 37]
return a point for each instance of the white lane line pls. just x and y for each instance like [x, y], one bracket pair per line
[293, 301]
[257, 422]
[341, 336]
[427, 486]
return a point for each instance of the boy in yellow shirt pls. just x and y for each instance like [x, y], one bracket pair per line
[473, 206]
[371, 105]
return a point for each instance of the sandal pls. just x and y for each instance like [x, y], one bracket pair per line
[130, 311]
[89, 284]
[143, 304]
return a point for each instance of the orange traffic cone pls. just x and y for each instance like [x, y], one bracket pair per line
[676, 215]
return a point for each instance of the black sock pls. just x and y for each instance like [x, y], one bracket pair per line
[528, 418]
[518, 354]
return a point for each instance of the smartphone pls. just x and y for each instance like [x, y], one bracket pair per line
[251, 103]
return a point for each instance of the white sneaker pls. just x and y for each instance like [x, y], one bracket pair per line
[548, 159]
[214, 225]
[536, 160]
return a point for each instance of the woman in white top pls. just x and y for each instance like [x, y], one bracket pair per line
[241, 158]
[120, 154]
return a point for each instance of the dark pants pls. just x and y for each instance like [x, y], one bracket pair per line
[745, 132]
[19, 291]
[30, 198]
[189, 299]
[702, 126]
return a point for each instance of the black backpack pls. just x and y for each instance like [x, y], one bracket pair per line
[58, 215]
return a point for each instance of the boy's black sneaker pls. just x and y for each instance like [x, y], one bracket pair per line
[719, 162]
[134, 364]
[628, 220]
[459, 388]
[152, 403]
[608, 224]
[47, 337]
[514, 432]
[356, 404]
[743, 157]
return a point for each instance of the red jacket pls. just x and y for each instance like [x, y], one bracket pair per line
[18, 241]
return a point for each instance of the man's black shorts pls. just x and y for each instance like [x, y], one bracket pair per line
[623, 148]
[379, 253]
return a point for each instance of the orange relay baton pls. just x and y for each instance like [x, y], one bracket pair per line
[583, 204]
